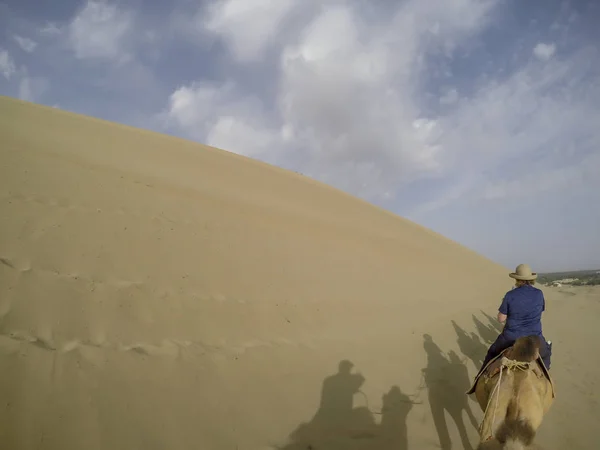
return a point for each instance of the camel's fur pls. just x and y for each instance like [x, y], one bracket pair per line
[524, 397]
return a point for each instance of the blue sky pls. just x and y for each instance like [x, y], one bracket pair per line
[476, 118]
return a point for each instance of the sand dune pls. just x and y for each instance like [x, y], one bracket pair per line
[160, 294]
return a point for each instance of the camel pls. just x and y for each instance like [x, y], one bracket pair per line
[514, 391]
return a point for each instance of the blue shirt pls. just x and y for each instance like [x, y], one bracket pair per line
[523, 307]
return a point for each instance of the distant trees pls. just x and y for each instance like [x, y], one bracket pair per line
[595, 281]
[582, 278]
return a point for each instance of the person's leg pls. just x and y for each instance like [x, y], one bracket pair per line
[546, 352]
[500, 344]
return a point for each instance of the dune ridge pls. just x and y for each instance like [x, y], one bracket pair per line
[157, 293]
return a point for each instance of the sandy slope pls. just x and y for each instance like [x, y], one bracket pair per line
[160, 294]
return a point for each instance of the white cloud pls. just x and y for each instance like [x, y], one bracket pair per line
[249, 26]
[544, 51]
[28, 88]
[25, 91]
[350, 103]
[26, 44]
[449, 97]
[232, 134]
[220, 117]
[50, 29]
[100, 30]
[7, 65]
[190, 106]
[31, 88]
[346, 87]
[337, 93]
[533, 133]
[581, 174]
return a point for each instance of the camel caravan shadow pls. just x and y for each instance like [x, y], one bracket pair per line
[339, 425]
[493, 322]
[447, 380]
[470, 345]
[488, 332]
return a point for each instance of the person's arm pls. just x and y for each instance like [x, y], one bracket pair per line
[503, 310]
[543, 303]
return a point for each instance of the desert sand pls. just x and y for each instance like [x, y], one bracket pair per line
[156, 293]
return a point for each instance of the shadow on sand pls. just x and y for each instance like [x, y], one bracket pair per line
[488, 332]
[447, 380]
[339, 425]
[493, 322]
[470, 345]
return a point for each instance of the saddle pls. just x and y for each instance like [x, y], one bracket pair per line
[493, 367]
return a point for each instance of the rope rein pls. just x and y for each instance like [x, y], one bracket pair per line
[508, 365]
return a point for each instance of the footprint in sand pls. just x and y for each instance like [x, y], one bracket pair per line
[219, 298]
[97, 336]
[70, 346]
[7, 262]
[166, 348]
[15, 264]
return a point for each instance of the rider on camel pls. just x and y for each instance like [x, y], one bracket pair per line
[521, 312]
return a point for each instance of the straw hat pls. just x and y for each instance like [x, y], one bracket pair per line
[523, 272]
